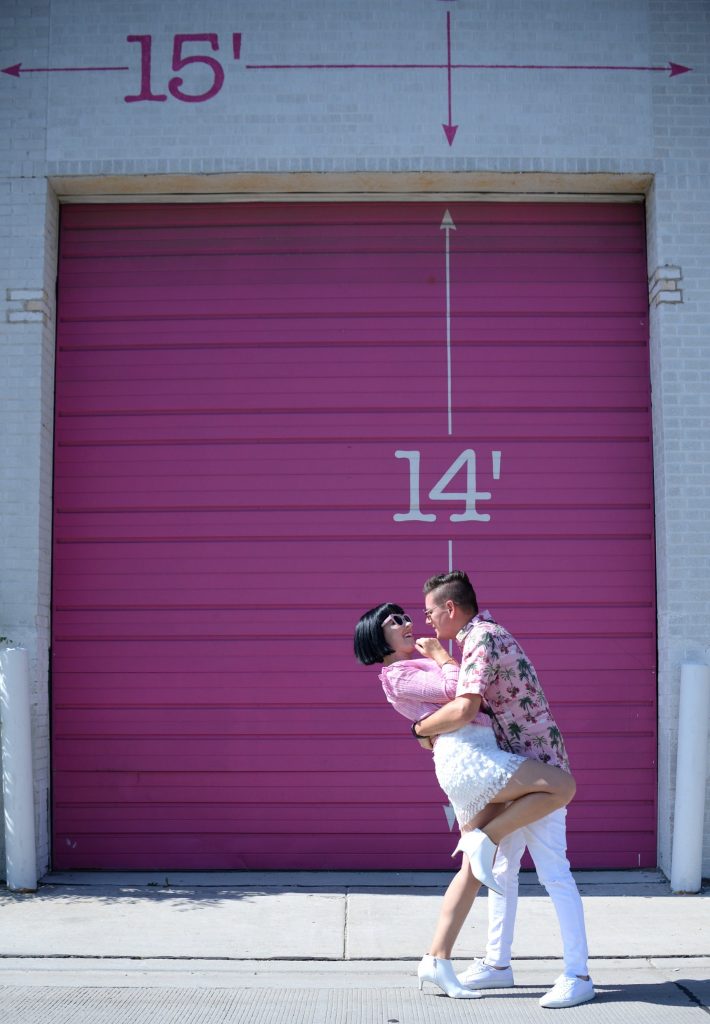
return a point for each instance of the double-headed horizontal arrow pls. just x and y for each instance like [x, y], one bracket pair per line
[673, 69]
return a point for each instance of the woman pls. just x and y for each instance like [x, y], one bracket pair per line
[491, 790]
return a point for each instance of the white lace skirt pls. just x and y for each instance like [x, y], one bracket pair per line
[471, 769]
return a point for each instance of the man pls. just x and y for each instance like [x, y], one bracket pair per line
[494, 665]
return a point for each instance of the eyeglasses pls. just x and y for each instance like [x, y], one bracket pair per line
[428, 612]
[397, 620]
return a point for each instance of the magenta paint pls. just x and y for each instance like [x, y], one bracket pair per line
[233, 381]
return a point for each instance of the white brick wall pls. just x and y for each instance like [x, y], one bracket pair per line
[679, 234]
[561, 125]
[28, 264]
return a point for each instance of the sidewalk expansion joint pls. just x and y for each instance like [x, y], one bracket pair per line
[187, 958]
[345, 925]
[691, 996]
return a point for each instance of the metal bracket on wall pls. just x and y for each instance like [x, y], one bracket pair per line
[28, 305]
[664, 285]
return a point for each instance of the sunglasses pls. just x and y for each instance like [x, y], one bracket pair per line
[397, 620]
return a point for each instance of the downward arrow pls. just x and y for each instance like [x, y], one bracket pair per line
[449, 128]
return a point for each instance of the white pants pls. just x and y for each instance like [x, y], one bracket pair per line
[546, 839]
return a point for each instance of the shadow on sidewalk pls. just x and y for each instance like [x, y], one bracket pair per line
[208, 888]
[683, 993]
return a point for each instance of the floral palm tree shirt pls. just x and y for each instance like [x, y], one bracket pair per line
[494, 665]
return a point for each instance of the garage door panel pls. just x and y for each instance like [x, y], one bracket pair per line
[221, 784]
[359, 239]
[321, 820]
[284, 684]
[336, 211]
[360, 558]
[278, 332]
[307, 425]
[278, 787]
[264, 860]
[524, 460]
[221, 621]
[627, 849]
[322, 824]
[317, 820]
[311, 292]
[245, 819]
[249, 849]
[319, 299]
[208, 577]
[108, 757]
[567, 688]
[258, 754]
[639, 818]
[252, 270]
[341, 211]
[83, 659]
[236, 365]
[169, 721]
[149, 786]
[228, 396]
[294, 482]
[207, 591]
[160, 525]
[233, 382]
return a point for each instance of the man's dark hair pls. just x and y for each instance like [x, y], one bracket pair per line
[453, 586]
[370, 645]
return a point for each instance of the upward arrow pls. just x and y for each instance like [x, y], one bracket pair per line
[447, 222]
[447, 225]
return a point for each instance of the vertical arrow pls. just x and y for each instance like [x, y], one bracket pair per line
[449, 128]
[451, 645]
[450, 816]
[448, 225]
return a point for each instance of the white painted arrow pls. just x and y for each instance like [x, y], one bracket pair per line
[450, 816]
[448, 225]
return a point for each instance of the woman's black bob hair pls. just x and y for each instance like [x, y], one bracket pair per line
[370, 645]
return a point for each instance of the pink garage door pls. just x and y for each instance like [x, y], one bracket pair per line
[257, 438]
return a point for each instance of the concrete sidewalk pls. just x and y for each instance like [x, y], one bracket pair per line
[328, 946]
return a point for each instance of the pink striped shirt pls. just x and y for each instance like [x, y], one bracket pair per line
[417, 687]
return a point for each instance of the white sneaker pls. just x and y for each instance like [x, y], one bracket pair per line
[568, 991]
[482, 975]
